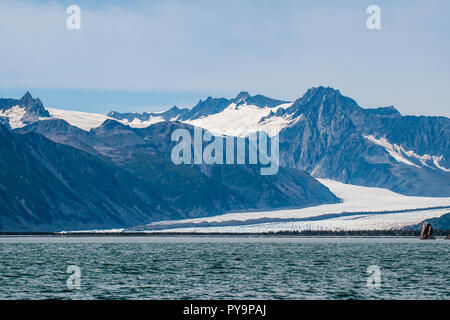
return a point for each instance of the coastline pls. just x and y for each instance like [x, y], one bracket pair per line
[375, 233]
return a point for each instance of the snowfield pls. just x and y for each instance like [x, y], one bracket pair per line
[363, 208]
[235, 120]
[243, 120]
[136, 123]
[87, 121]
[83, 120]
[15, 115]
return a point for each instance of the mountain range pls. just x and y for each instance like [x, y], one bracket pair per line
[71, 170]
[328, 135]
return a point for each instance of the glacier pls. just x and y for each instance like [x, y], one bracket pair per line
[362, 208]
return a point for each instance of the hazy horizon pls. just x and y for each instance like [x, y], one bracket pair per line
[100, 96]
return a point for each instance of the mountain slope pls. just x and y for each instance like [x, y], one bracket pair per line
[336, 139]
[239, 116]
[287, 188]
[193, 190]
[45, 186]
[330, 136]
[323, 132]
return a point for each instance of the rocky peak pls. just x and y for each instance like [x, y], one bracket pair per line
[33, 106]
[27, 97]
[320, 92]
[325, 101]
[110, 124]
[242, 96]
[258, 100]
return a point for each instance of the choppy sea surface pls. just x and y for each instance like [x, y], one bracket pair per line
[224, 268]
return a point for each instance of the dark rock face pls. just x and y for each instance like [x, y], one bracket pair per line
[427, 232]
[34, 109]
[332, 137]
[173, 113]
[258, 100]
[32, 106]
[5, 121]
[47, 186]
[192, 190]
[331, 140]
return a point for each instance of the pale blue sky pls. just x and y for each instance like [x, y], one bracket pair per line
[150, 55]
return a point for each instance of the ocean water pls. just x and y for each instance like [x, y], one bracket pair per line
[224, 268]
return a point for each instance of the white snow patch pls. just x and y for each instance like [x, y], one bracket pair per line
[87, 121]
[82, 120]
[136, 123]
[243, 120]
[15, 116]
[400, 154]
[94, 231]
[393, 150]
[436, 163]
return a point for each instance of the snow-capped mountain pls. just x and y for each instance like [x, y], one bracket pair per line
[323, 134]
[330, 136]
[16, 113]
[239, 116]
[336, 139]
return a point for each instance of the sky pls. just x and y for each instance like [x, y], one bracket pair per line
[151, 55]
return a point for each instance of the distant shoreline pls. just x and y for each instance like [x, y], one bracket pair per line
[373, 233]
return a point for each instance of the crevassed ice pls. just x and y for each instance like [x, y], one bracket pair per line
[364, 221]
[375, 208]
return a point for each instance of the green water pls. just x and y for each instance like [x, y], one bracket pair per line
[223, 268]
